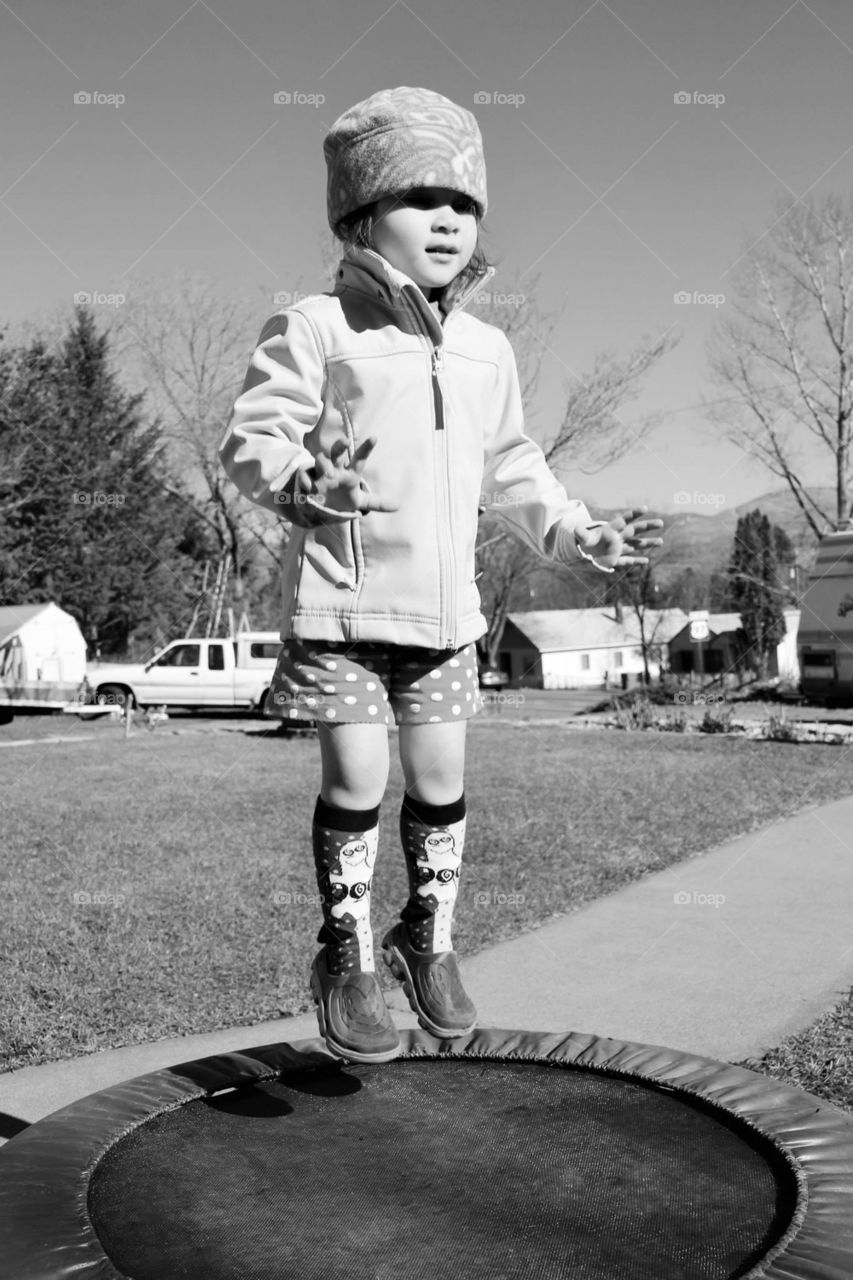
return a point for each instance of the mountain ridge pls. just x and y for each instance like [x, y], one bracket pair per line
[703, 542]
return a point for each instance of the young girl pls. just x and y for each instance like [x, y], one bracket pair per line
[379, 419]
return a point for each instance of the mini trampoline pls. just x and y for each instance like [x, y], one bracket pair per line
[505, 1155]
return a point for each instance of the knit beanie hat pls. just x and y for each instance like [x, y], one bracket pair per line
[398, 139]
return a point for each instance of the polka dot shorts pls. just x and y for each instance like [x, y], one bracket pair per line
[342, 683]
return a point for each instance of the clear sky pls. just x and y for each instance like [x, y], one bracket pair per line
[599, 180]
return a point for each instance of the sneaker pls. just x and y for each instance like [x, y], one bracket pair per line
[353, 1017]
[432, 983]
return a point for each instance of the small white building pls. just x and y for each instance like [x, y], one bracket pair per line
[585, 648]
[724, 652]
[787, 662]
[42, 653]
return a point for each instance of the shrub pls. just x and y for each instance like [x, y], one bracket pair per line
[781, 729]
[638, 714]
[717, 720]
[675, 722]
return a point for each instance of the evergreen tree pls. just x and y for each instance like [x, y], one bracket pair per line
[754, 590]
[86, 518]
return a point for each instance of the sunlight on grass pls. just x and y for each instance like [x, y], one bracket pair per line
[165, 886]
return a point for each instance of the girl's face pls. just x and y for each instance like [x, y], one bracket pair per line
[429, 234]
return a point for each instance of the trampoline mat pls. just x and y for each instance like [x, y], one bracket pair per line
[439, 1168]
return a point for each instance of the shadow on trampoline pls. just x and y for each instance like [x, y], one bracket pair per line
[506, 1154]
[252, 1101]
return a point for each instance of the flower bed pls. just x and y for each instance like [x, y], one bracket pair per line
[722, 721]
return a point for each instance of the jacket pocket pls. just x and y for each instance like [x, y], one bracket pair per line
[330, 556]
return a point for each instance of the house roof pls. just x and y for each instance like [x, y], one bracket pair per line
[556, 630]
[720, 623]
[14, 616]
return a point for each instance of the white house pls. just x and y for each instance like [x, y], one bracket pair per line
[42, 653]
[722, 652]
[585, 648]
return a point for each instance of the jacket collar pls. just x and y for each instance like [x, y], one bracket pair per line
[368, 271]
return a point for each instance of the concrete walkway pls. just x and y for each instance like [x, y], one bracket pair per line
[723, 955]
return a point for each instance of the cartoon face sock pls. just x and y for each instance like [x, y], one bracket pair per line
[433, 836]
[345, 842]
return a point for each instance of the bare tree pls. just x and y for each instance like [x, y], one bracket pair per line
[787, 355]
[592, 435]
[188, 345]
[635, 587]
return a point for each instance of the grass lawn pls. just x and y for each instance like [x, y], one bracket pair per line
[819, 1060]
[164, 885]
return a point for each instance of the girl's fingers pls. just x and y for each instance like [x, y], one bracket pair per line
[336, 476]
[339, 447]
[362, 453]
[376, 504]
[327, 515]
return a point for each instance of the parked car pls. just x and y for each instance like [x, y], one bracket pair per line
[493, 678]
[195, 672]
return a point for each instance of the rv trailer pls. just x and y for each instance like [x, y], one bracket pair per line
[825, 635]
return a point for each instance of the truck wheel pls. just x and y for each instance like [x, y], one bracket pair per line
[114, 695]
[264, 703]
[6, 715]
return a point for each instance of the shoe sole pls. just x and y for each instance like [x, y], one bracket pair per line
[396, 962]
[348, 1055]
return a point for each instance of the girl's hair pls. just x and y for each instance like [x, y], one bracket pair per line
[357, 229]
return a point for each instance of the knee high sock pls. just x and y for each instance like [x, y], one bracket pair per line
[345, 842]
[433, 836]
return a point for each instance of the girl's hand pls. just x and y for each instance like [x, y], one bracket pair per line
[606, 543]
[339, 485]
[332, 490]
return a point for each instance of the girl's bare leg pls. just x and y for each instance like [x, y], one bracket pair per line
[355, 764]
[433, 760]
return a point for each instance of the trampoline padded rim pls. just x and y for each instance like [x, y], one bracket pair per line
[46, 1232]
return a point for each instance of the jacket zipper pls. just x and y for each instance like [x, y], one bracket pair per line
[446, 561]
[437, 366]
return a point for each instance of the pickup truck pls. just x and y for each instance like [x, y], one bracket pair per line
[193, 672]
